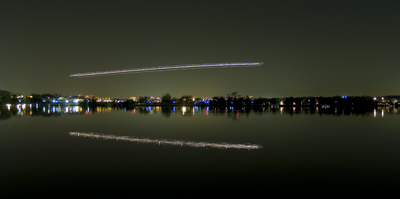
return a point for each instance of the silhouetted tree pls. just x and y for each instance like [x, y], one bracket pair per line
[272, 101]
[166, 98]
[221, 101]
[143, 99]
[5, 96]
[247, 101]
[185, 99]
[289, 101]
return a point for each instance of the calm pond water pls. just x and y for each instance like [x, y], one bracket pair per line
[198, 150]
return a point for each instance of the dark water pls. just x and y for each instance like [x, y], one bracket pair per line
[300, 150]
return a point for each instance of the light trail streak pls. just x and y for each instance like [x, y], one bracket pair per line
[165, 68]
[168, 142]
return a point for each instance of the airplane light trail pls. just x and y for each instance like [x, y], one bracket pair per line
[168, 142]
[166, 68]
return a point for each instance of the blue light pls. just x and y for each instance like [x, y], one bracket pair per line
[173, 102]
[97, 71]
[117, 70]
[194, 103]
[206, 101]
[159, 66]
[78, 73]
[150, 102]
[43, 101]
[19, 100]
[138, 68]
[181, 64]
[226, 62]
[53, 101]
[252, 102]
[204, 64]
[87, 100]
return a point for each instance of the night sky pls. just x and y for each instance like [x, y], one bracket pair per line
[308, 47]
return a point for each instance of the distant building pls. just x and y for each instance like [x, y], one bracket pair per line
[105, 99]
[118, 100]
[157, 100]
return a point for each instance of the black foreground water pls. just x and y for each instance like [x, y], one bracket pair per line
[180, 150]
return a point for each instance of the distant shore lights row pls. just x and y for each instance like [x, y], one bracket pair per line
[167, 68]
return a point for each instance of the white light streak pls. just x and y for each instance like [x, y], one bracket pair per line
[168, 142]
[165, 68]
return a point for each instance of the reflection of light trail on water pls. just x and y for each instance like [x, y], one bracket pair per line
[168, 142]
[166, 68]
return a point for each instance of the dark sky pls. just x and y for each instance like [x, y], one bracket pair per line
[308, 47]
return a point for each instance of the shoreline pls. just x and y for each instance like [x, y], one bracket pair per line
[122, 105]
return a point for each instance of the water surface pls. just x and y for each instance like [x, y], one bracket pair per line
[191, 149]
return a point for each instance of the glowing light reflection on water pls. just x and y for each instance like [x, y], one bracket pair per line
[168, 142]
